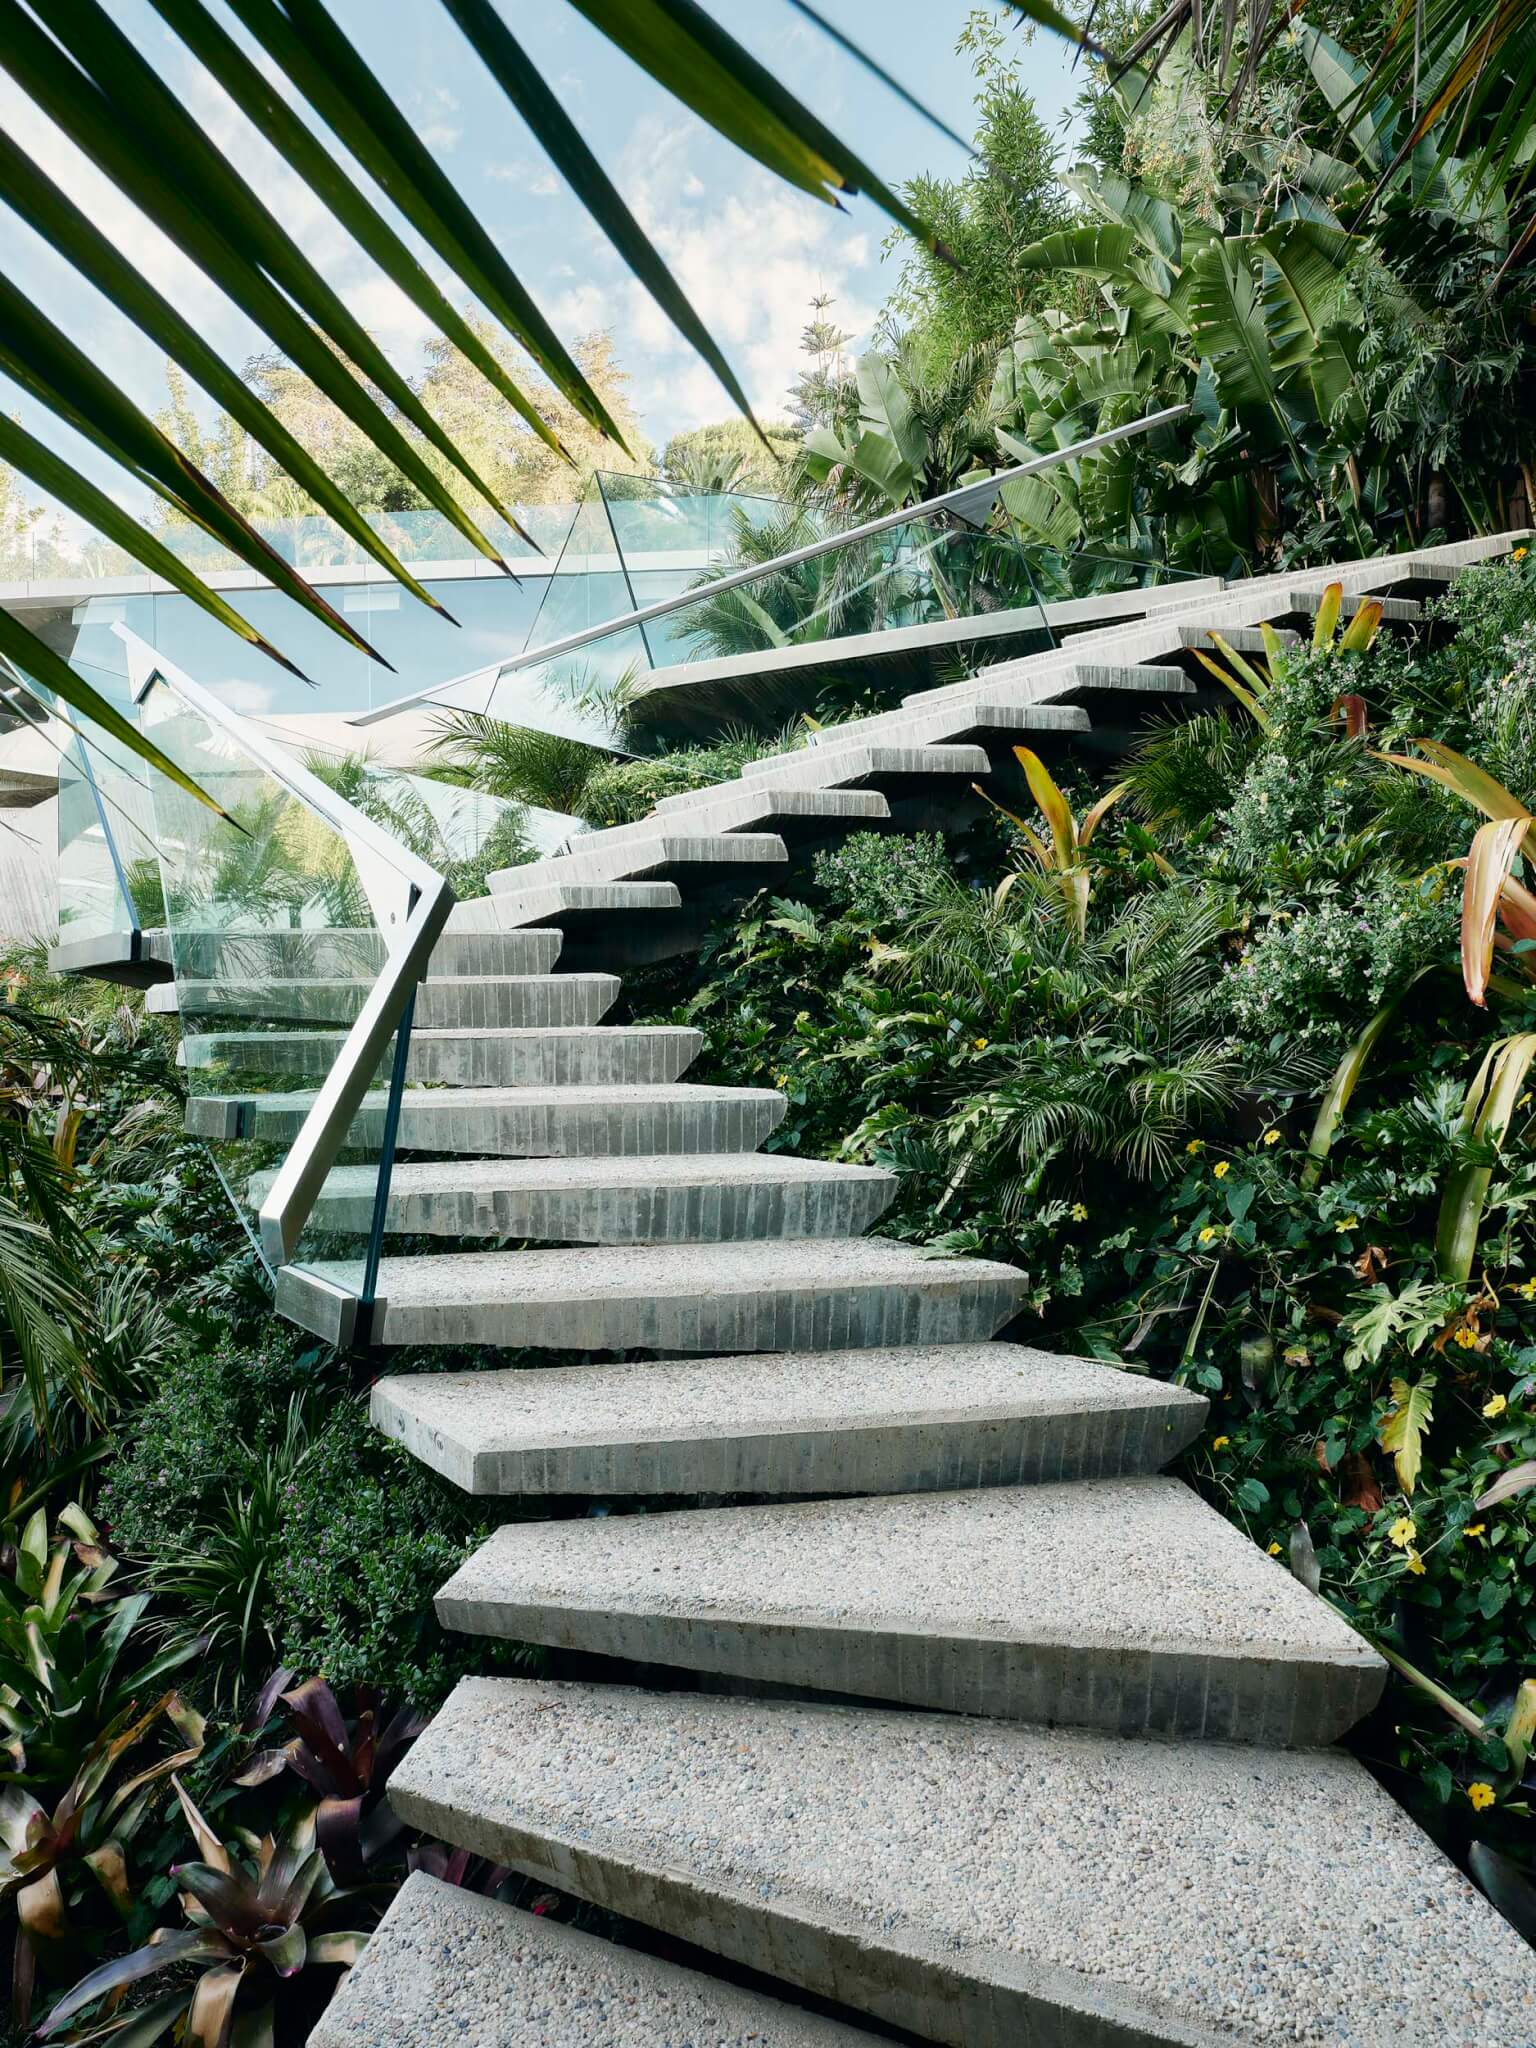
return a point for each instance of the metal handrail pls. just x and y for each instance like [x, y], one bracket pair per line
[963, 502]
[298, 1181]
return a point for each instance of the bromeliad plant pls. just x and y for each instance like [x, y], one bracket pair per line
[258, 1923]
[1064, 857]
[64, 1679]
[1253, 685]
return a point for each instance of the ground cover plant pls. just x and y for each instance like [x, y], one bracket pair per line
[1216, 1052]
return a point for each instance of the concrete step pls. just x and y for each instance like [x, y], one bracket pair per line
[590, 1055]
[986, 1884]
[794, 814]
[666, 856]
[915, 1418]
[895, 769]
[356, 955]
[489, 1002]
[1022, 1603]
[520, 1123]
[785, 1295]
[1395, 611]
[704, 1197]
[568, 906]
[1241, 639]
[446, 1968]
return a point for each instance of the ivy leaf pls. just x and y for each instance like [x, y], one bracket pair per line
[1404, 1426]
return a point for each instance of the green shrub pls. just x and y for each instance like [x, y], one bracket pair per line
[630, 790]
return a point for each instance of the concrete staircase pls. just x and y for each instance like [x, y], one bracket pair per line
[1045, 1763]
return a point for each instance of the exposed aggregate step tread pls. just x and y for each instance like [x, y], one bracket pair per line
[824, 1422]
[782, 1295]
[685, 1197]
[987, 1884]
[447, 1968]
[1122, 1604]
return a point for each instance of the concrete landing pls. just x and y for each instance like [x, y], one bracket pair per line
[985, 1884]
[521, 1123]
[705, 1197]
[448, 1969]
[786, 1295]
[1121, 1604]
[940, 1416]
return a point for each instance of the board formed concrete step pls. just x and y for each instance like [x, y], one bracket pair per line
[664, 855]
[468, 1003]
[578, 1055]
[566, 905]
[793, 813]
[447, 1968]
[356, 955]
[793, 1294]
[987, 1884]
[821, 767]
[687, 1197]
[1121, 1604]
[918, 1417]
[521, 1123]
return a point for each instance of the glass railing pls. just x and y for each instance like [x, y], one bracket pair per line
[897, 604]
[299, 927]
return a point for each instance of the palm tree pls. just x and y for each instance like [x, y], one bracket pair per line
[80, 70]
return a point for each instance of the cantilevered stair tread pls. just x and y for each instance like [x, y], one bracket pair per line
[1123, 1604]
[446, 1968]
[655, 1198]
[780, 1295]
[517, 1056]
[822, 1422]
[987, 1884]
[463, 1002]
[583, 1122]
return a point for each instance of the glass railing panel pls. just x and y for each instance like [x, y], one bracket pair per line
[284, 917]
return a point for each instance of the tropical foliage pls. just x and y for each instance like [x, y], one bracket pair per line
[1195, 1050]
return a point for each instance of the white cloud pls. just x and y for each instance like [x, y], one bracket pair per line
[545, 187]
[750, 263]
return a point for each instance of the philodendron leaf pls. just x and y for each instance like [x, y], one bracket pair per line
[1512, 1480]
[1405, 1425]
[1304, 1562]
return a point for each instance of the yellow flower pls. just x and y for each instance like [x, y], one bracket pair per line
[1207, 1234]
[1221, 1169]
[1220, 1443]
[1416, 1564]
[1466, 1337]
[1402, 1531]
[1195, 1145]
[1527, 1288]
[1274, 1550]
[981, 1044]
[1496, 1406]
[1348, 1223]
[1272, 1137]
[1481, 1794]
[1474, 1529]
[1520, 554]
[1079, 1213]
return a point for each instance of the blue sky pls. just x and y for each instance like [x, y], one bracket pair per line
[749, 251]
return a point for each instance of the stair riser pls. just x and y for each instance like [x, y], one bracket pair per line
[1120, 1691]
[897, 1457]
[697, 1215]
[491, 1005]
[573, 1059]
[817, 1319]
[433, 1121]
